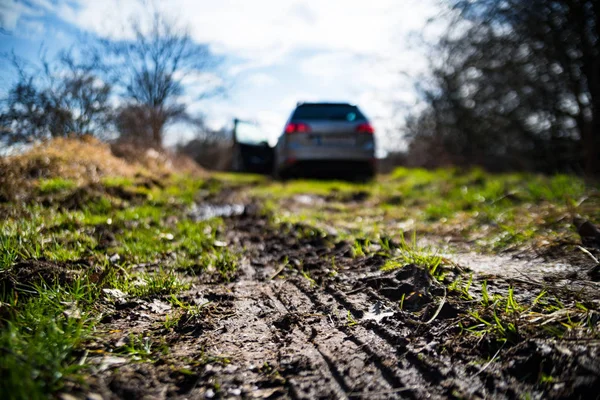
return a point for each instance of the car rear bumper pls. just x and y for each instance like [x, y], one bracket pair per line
[337, 168]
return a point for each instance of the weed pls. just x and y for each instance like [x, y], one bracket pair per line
[191, 310]
[225, 263]
[171, 320]
[511, 304]
[357, 249]
[161, 282]
[385, 244]
[545, 379]
[350, 321]
[307, 276]
[413, 254]
[485, 296]
[462, 288]
[138, 346]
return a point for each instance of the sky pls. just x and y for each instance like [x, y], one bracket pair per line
[275, 52]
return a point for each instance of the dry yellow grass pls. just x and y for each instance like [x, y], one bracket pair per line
[156, 162]
[83, 160]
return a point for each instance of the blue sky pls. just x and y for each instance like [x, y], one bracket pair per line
[276, 52]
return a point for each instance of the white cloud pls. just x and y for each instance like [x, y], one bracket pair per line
[255, 29]
[198, 83]
[10, 12]
[260, 80]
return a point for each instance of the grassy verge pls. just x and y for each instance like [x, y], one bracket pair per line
[489, 213]
[70, 245]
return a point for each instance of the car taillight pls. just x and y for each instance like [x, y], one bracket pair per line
[297, 127]
[365, 128]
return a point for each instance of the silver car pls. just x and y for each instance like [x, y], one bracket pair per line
[331, 139]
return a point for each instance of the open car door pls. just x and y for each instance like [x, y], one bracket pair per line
[251, 150]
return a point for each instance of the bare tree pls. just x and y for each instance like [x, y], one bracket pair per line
[24, 116]
[85, 95]
[60, 98]
[150, 71]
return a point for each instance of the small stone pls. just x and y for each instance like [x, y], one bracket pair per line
[115, 293]
[209, 394]
[166, 236]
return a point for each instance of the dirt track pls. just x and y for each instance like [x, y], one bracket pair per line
[304, 320]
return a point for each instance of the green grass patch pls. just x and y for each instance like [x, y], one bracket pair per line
[55, 185]
[141, 249]
[498, 212]
[411, 253]
[117, 181]
[39, 344]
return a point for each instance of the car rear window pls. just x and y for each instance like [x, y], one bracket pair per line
[328, 112]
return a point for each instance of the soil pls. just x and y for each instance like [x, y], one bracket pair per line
[25, 275]
[304, 319]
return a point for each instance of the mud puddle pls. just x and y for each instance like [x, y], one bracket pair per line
[304, 319]
[205, 211]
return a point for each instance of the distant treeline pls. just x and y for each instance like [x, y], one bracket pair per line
[515, 85]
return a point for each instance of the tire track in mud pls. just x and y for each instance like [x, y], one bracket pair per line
[276, 323]
[326, 352]
[351, 362]
[425, 375]
[386, 350]
[281, 324]
[319, 378]
[299, 322]
[321, 356]
[304, 319]
[413, 368]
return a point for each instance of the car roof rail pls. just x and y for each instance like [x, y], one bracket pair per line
[333, 103]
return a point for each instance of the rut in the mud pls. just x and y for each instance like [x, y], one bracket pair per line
[304, 319]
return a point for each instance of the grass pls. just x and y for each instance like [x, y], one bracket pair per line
[55, 185]
[142, 246]
[39, 343]
[506, 320]
[461, 287]
[411, 253]
[350, 320]
[497, 213]
[161, 282]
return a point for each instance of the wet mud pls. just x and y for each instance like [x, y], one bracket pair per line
[304, 319]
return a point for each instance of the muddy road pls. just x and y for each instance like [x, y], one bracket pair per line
[305, 318]
[121, 283]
